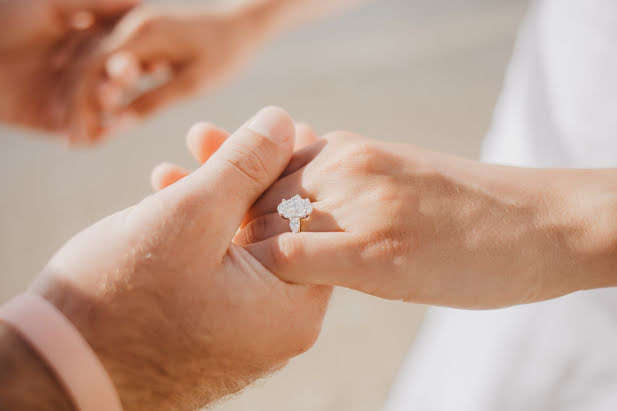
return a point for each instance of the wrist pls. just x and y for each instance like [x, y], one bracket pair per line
[105, 334]
[22, 373]
[590, 198]
[530, 224]
[569, 218]
[145, 373]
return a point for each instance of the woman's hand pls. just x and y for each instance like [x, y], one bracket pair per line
[401, 222]
[178, 314]
[48, 63]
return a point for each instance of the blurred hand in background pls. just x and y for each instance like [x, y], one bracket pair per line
[184, 50]
[158, 55]
[47, 61]
[84, 69]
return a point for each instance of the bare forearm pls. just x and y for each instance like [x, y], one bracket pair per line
[25, 382]
[589, 198]
[557, 224]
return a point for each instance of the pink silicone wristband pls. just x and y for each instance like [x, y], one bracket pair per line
[66, 352]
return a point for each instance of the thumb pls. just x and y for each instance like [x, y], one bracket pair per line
[245, 166]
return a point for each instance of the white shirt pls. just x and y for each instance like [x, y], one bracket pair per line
[558, 109]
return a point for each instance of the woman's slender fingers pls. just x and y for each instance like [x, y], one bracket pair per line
[273, 224]
[304, 156]
[165, 174]
[285, 188]
[311, 258]
[203, 139]
[305, 135]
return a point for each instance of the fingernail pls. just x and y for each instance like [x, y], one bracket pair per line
[197, 130]
[274, 123]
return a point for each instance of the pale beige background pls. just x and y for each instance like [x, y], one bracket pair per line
[426, 72]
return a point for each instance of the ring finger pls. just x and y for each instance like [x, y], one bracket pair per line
[272, 224]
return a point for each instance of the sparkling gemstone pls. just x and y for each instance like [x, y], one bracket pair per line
[295, 207]
[294, 224]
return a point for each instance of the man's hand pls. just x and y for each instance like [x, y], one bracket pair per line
[48, 63]
[401, 222]
[177, 314]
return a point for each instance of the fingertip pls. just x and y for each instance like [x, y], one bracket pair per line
[275, 123]
[203, 139]
[305, 135]
[165, 174]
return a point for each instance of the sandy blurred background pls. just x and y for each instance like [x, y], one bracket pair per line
[425, 71]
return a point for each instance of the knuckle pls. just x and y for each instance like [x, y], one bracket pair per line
[362, 156]
[255, 230]
[356, 158]
[288, 250]
[387, 248]
[249, 161]
[388, 192]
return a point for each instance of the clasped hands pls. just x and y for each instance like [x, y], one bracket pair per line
[200, 288]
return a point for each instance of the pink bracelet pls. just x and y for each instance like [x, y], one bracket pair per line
[66, 352]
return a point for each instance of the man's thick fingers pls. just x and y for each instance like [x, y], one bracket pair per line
[247, 164]
[308, 257]
[165, 174]
[203, 139]
[305, 135]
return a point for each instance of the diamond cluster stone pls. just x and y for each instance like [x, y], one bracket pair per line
[294, 209]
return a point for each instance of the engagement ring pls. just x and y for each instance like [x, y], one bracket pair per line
[295, 209]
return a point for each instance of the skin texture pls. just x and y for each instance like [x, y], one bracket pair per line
[405, 223]
[178, 315]
[47, 63]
